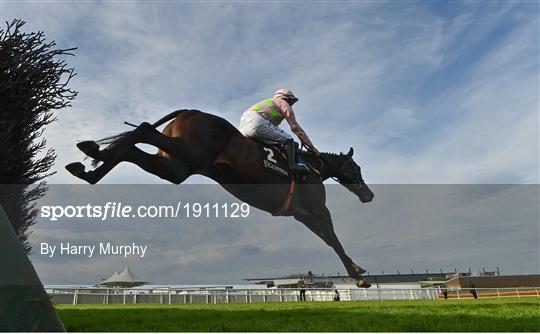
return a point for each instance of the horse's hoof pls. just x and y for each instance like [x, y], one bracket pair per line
[362, 283]
[75, 168]
[88, 147]
[359, 271]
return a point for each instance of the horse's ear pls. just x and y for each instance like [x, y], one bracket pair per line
[350, 153]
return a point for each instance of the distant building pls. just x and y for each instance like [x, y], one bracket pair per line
[125, 279]
[490, 281]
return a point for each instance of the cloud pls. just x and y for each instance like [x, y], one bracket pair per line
[405, 90]
[423, 96]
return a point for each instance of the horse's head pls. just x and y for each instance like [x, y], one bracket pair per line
[349, 175]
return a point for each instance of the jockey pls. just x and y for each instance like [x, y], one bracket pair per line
[261, 122]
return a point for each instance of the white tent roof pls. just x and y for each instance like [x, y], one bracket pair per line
[116, 273]
[125, 278]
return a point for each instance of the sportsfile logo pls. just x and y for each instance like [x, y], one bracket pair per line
[118, 210]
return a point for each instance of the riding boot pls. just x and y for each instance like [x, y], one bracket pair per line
[294, 167]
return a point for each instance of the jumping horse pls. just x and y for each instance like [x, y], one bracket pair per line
[195, 142]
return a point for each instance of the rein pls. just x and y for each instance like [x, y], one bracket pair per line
[339, 171]
[326, 161]
[329, 163]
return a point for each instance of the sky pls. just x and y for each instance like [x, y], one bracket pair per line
[411, 228]
[425, 92]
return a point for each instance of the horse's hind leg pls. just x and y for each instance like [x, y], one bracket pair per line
[176, 148]
[110, 161]
[145, 133]
[158, 165]
[110, 158]
[152, 163]
[77, 169]
[320, 223]
[91, 149]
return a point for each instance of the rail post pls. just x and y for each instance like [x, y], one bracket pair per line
[498, 294]
[457, 291]
[517, 291]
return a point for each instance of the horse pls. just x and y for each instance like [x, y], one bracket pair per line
[195, 142]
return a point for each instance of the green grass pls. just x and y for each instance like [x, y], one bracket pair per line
[506, 315]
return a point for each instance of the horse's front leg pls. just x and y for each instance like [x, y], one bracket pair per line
[320, 223]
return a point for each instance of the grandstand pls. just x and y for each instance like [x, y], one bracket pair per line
[483, 279]
[382, 281]
[505, 281]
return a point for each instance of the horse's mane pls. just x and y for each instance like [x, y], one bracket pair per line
[331, 154]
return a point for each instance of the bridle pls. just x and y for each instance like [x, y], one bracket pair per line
[339, 170]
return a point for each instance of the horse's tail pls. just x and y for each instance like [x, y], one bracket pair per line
[115, 140]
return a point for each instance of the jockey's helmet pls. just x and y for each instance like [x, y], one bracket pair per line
[285, 94]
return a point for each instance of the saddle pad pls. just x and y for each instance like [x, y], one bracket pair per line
[273, 160]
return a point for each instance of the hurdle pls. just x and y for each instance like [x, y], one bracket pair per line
[24, 304]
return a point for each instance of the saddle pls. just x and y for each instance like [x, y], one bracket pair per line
[274, 159]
